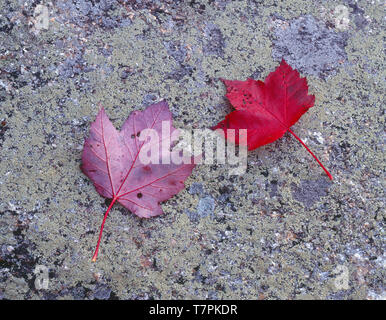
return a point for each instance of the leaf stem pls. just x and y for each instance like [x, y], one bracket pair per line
[101, 230]
[303, 144]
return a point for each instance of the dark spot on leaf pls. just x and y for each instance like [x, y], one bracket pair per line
[139, 195]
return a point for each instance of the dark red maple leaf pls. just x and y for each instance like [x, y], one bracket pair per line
[111, 160]
[268, 109]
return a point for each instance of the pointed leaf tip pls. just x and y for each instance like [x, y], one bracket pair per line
[268, 109]
[112, 161]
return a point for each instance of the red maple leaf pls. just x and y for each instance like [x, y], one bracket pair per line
[268, 109]
[111, 160]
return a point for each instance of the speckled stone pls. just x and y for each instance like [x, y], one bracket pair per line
[282, 230]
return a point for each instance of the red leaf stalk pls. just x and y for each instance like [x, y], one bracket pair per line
[101, 230]
[304, 145]
[268, 109]
[116, 171]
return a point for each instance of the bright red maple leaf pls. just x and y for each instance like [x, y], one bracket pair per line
[111, 160]
[268, 109]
